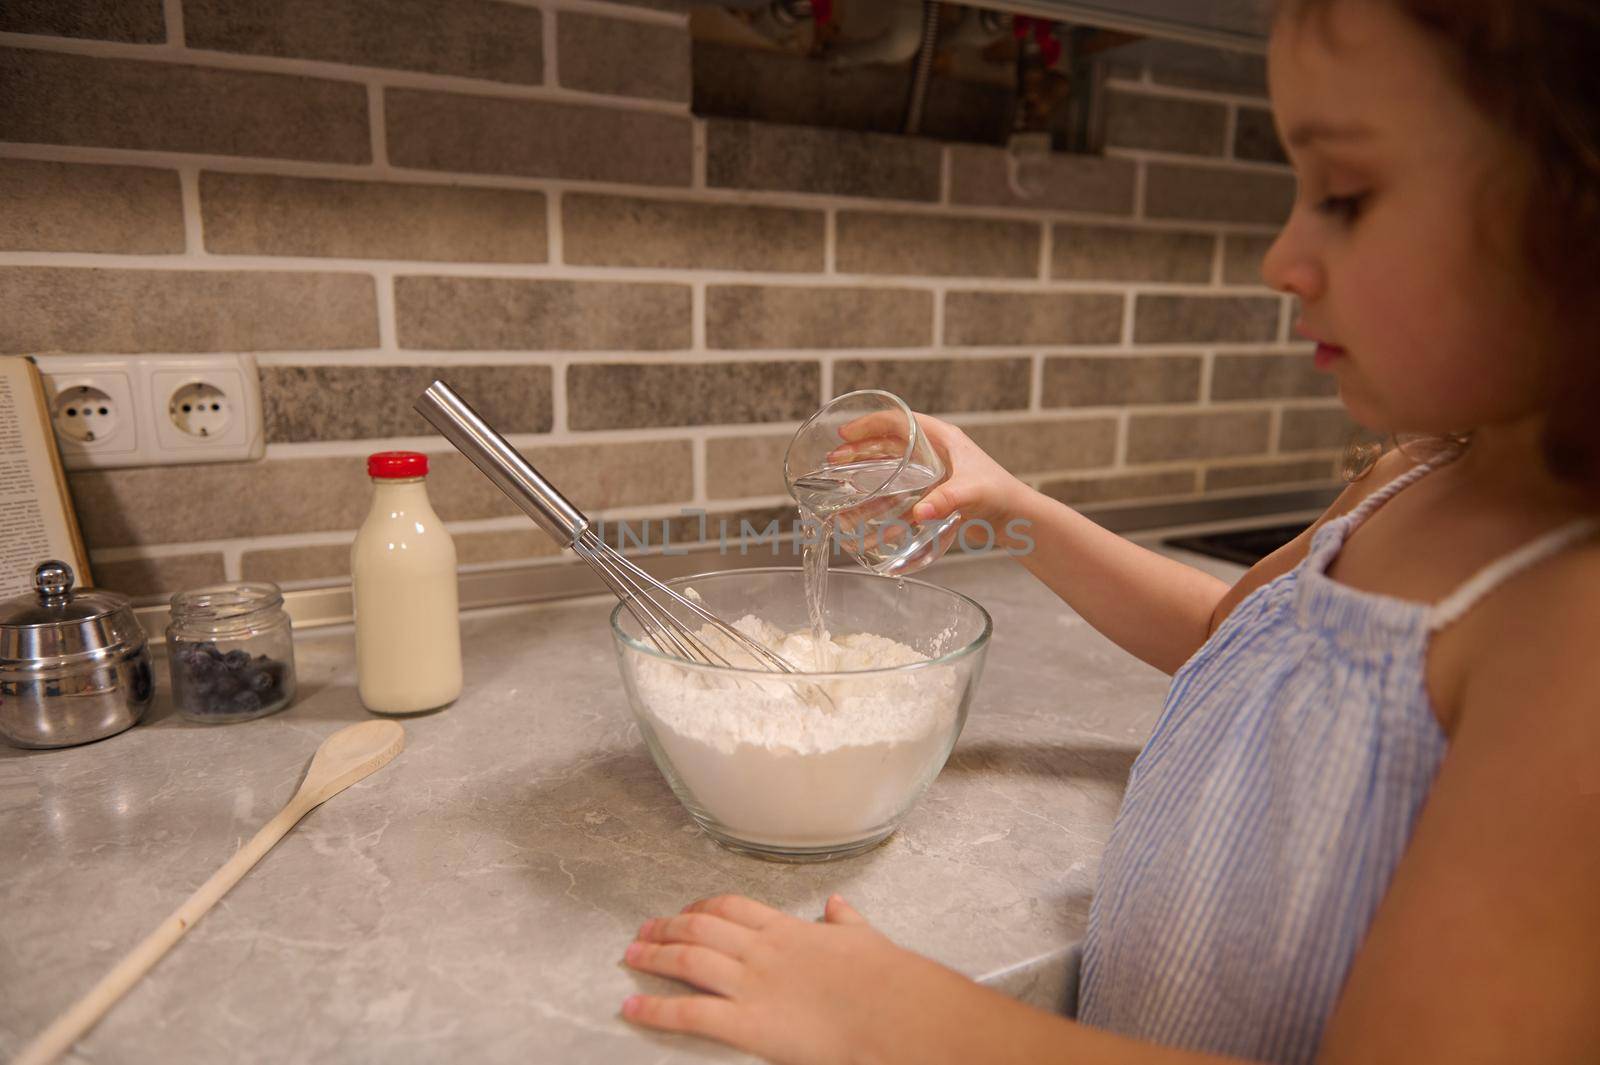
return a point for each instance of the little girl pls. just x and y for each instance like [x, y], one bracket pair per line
[1367, 825]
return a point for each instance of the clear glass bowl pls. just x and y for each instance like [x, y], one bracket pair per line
[765, 764]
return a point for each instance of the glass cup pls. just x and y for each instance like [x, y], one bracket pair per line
[858, 466]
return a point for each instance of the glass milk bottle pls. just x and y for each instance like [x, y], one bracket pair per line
[403, 564]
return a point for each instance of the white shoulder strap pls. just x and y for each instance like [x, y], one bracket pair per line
[1452, 607]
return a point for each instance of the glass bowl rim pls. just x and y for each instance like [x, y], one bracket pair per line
[622, 639]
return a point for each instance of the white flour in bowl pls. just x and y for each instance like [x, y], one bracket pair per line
[774, 763]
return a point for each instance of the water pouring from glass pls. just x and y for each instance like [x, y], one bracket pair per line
[857, 468]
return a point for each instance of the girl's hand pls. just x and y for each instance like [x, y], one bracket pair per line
[978, 487]
[796, 991]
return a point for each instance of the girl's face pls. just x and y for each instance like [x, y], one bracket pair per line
[1402, 246]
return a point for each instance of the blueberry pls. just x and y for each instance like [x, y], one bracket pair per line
[236, 660]
[257, 680]
[210, 649]
[244, 702]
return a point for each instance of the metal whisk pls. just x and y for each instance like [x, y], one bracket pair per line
[656, 607]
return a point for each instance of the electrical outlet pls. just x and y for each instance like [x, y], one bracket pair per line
[93, 410]
[140, 410]
[207, 408]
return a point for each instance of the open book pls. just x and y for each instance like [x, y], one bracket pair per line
[36, 518]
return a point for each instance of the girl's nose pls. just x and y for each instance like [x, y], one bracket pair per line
[1290, 267]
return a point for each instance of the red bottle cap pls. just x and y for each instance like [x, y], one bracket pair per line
[397, 465]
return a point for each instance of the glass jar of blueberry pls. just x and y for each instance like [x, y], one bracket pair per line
[231, 652]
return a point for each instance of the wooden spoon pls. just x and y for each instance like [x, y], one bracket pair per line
[344, 758]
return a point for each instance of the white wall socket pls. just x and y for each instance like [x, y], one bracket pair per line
[143, 410]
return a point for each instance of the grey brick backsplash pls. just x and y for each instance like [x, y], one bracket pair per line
[510, 314]
[1193, 66]
[1242, 258]
[1318, 429]
[877, 242]
[1217, 194]
[916, 263]
[260, 214]
[1187, 437]
[1203, 319]
[752, 155]
[793, 316]
[150, 578]
[1165, 123]
[54, 98]
[77, 207]
[93, 310]
[1285, 376]
[1052, 318]
[644, 395]
[159, 504]
[941, 386]
[628, 231]
[1112, 253]
[1263, 474]
[1119, 487]
[739, 466]
[1121, 380]
[982, 176]
[362, 402]
[1040, 446]
[535, 138]
[131, 21]
[590, 51]
[478, 39]
[1255, 138]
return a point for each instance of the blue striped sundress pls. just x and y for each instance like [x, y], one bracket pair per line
[1268, 810]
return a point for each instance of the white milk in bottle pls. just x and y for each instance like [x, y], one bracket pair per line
[403, 564]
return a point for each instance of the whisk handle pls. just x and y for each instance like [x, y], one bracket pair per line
[501, 463]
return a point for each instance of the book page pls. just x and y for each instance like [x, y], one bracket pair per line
[35, 520]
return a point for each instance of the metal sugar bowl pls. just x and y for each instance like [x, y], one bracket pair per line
[74, 665]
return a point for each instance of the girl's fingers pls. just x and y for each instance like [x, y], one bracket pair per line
[700, 928]
[706, 1015]
[697, 966]
[838, 911]
[736, 908]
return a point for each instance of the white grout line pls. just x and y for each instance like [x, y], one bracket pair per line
[173, 12]
[1130, 303]
[1218, 262]
[555, 231]
[1036, 384]
[1208, 363]
[697, 492]
[1140, 181]
[388, 320]
[1046, 249]
[1230, 132]
[697, 316]
[194, 241]
[558, 400]
[1286, 320]
[1119, 460]
[1153, 88]
[825, 383]
[1275, 431]
[945, 174]
[830, 240]
[549, 52]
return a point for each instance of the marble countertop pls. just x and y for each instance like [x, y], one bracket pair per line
[472, 900]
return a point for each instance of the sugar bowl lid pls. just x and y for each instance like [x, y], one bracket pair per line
[54, 625]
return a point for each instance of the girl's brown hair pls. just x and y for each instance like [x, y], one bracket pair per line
[1533, 67]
